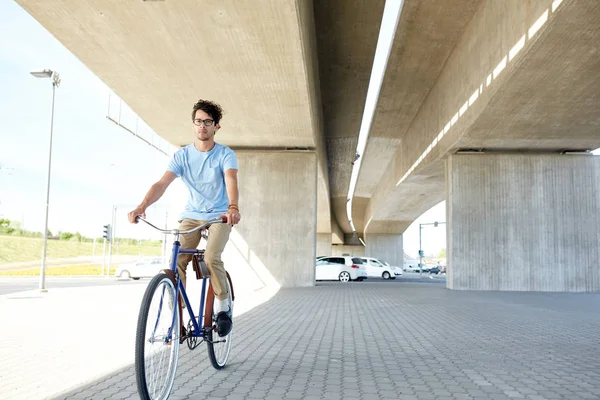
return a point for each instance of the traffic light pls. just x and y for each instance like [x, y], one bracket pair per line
[106, 233]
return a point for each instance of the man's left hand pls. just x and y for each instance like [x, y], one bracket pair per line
[233, 217]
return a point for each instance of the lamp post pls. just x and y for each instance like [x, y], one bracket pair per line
[55, 83]
[421, 252]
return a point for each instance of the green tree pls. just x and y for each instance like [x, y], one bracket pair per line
[65, 235]
[442, 253]
[5, 227]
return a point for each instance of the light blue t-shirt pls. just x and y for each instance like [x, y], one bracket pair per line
[204, 176]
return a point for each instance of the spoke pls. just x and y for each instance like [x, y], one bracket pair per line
[159, 354]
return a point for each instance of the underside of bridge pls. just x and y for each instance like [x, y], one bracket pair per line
[476, 76]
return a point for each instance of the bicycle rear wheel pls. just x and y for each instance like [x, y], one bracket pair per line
[156, 351]
[219, 347]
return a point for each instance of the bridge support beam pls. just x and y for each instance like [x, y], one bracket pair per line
[323, 244]
[341, 249]
[522, 222]
[278, 203]
[386, 247]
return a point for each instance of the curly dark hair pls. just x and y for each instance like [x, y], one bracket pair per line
[209, 107]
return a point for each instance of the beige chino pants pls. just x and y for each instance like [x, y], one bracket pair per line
[218, 235]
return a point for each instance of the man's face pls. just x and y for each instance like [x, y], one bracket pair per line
[201, 128]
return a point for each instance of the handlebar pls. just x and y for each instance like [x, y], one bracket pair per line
[220, 220]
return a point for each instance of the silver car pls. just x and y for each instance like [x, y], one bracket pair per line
[144, 268]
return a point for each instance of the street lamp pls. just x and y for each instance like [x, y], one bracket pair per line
[46, 73]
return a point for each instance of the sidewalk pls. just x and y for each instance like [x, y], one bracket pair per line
[361, 340]
[52, 342]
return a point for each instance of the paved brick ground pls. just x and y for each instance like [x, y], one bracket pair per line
[396, 340]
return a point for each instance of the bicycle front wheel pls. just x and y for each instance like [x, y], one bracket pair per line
[157, 339]
[219, 346]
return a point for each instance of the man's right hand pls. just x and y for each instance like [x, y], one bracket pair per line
[138, 212]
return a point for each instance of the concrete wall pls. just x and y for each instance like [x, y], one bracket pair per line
[278, 203]
[323, 244]
[523, 222]
[338, 250]
[386, 247]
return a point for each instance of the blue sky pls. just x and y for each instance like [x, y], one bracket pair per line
[95, 163]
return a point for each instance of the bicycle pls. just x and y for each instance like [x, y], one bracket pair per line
[160, 331]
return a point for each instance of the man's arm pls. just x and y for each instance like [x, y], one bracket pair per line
[156, 191]
[231, 184]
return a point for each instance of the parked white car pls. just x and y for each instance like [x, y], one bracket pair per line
[397, 270]
[342, 268]
[144, 268]
[378, 269]
[417, 268]
[411, 267]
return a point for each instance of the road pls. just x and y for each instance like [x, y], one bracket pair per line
[19, 284]
[10, 285]
[409, 278]
[426, 278]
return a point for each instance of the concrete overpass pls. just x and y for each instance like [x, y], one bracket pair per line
[481, 105]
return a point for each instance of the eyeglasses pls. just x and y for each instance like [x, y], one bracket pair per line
[206, 122]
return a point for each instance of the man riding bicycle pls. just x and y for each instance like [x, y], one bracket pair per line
[209, 171]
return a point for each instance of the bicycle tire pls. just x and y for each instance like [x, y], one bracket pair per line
[218, 351]
[162, 285]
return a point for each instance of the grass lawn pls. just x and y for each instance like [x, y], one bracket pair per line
[17, 249]
[60, 271]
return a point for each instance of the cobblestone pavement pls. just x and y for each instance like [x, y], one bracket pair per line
[395, 340]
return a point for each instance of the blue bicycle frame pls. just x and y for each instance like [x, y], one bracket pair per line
[179, 287]
[197, 331]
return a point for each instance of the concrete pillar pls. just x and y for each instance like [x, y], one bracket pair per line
[323, 244]
[523, 222]
[386, 247]
[340, 249]
[278, 203]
